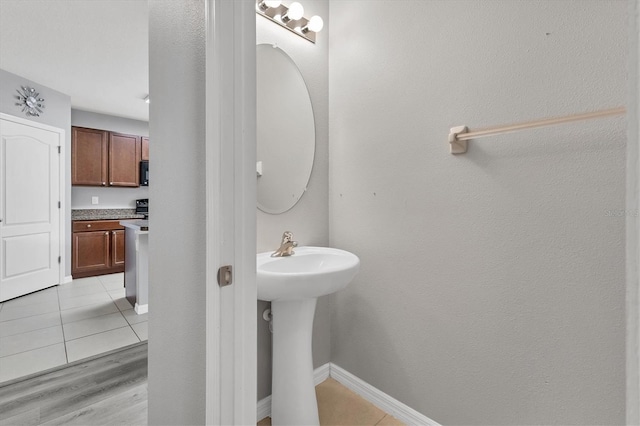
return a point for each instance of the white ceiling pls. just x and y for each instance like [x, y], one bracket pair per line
[95, 51]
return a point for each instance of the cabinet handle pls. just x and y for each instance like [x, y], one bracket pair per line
[104, 183]
[106, 233]
[110, 183]
[89, 226]
[113, 233]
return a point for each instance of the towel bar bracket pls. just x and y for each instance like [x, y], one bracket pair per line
[457, 146]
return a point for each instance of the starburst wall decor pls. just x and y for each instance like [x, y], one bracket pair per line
[30, 101]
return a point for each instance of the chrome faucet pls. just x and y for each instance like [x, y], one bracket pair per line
[286, 246]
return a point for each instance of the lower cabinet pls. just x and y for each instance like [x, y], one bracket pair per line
[97, 248]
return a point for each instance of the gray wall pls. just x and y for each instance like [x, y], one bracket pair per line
[108, 197]
[633, 220]
[308, 219]
[177, 254]
[492, 284]
[57, 113]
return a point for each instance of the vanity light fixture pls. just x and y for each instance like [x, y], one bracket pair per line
[266, 4]
[290, 17]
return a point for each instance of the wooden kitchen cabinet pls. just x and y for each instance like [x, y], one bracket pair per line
[97, 248]
[102, 158]
[124, 160]
[145, 149]
[117, 247]
[89, 156]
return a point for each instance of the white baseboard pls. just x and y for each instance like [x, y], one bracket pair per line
[67, 279]
[141, 309]
[321, 373]
[375, 396]
[386, 403]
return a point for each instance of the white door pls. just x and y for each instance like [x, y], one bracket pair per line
[29, 208]
[231, 211]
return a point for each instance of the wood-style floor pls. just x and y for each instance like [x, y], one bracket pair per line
[109, 389]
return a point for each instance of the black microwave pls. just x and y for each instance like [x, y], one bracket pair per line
[144, 173]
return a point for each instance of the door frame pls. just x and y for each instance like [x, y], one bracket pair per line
[231, 346]
[61, 182]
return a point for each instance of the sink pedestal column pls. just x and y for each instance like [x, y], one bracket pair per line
[293, 393]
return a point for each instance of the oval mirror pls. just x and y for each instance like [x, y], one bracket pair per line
[285, 129]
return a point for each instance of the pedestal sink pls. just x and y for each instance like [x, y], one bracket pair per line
[292, 284]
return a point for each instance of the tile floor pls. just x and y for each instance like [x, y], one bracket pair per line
[66, 323]
[339, 406]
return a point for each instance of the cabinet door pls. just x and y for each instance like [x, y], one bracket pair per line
[145, 148]
[117, 247]
[91, 251]
[89, 156]
[124, 160]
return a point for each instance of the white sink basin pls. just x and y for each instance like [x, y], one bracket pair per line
[293, 284]
[311, 272]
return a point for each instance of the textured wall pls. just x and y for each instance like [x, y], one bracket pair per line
[57, 113]
[114, 197]
[492, 284]
[177, 254]
[308, 219]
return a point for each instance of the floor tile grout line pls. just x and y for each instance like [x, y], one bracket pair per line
[100, 332]
[34, 329]
[25, 306]
[90, 304]
[122, 312]
[33, 349]
[383, 417]
[134, 332]
[130, 326]
[92, 317]
[82, 306]
[86, 294]
[29, 316]
[64, 339]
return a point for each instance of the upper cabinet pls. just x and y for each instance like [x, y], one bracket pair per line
[124, 160]
[145, 148]
[89, 156]
[102, 158]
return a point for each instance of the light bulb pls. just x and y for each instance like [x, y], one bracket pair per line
[315, 24]
[269, 4]
[295, 11]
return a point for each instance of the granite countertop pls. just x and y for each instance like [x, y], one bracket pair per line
[104, 214]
